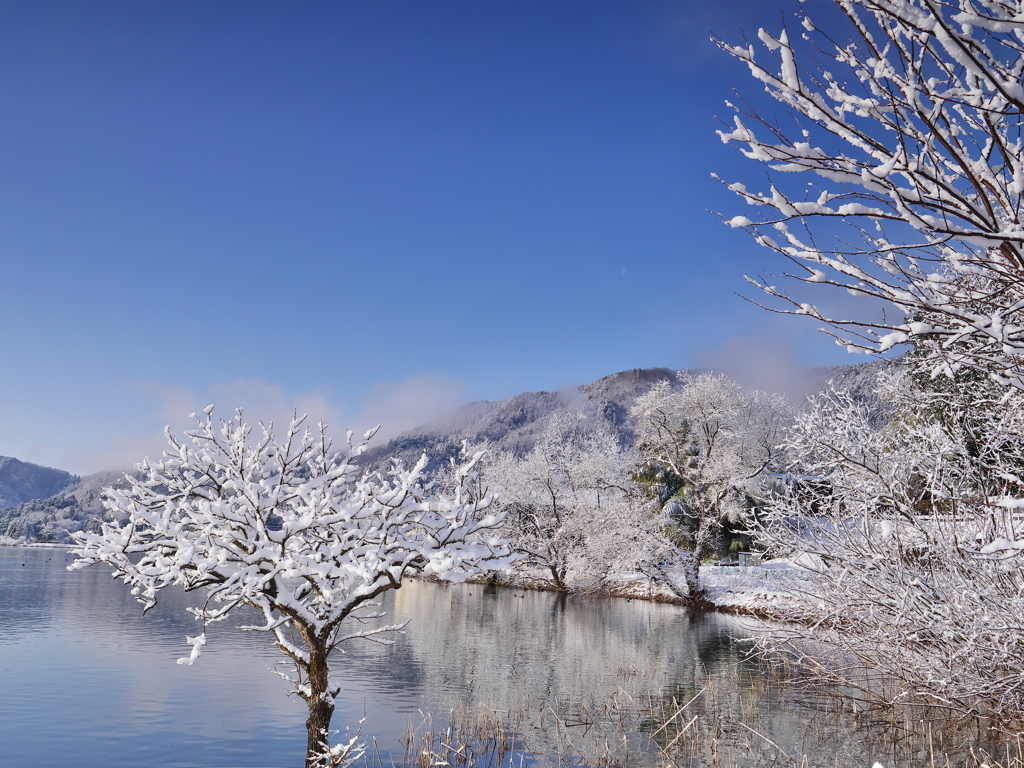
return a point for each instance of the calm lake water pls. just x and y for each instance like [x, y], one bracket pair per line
[87, 681]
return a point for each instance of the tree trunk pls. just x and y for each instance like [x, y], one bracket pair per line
[321, 708]
[691, 573]
[558, 576]
[701, 548]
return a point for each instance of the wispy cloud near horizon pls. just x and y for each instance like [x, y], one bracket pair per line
[394, 406]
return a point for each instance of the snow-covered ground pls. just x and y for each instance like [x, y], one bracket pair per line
[767, 588]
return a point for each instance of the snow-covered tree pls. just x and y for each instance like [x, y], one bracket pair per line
[290, 527]
[912, 535]
[907, 127]
[569, 504]
[710, 446]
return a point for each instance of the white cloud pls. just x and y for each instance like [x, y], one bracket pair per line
[400, 406]
[396, 406]
[759, 362]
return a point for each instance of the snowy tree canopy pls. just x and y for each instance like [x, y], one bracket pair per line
[290, 527]
[713, 445]
[569, 504]
[910, 132]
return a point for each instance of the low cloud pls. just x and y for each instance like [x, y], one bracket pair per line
[758, 362]
[400, 406]
[260, 400]
[395, 406]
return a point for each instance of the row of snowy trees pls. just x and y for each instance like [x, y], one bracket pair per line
[584, 509]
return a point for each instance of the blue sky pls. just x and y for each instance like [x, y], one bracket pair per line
[371, 211]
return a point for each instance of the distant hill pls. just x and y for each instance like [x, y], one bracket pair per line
[515, 424]
[47, 504]
[21, 481]
[78, 506]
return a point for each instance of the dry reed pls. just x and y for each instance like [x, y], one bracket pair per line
[725, 724]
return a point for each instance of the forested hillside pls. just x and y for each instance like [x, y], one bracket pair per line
[21, 481]
[52, 519]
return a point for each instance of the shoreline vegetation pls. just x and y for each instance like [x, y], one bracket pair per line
[585, 523]
[758, 591]
[764, 591]
[654, 732]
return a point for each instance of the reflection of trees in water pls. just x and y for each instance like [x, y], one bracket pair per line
[507, 649]
[538, 652]
[496, 646]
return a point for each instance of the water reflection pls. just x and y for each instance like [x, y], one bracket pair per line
[86, 675]
[493, 647]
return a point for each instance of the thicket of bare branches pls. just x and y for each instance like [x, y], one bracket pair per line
[913, 541]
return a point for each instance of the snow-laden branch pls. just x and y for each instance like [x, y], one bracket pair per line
[910, 133]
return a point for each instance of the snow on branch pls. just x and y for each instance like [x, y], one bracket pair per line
[910, 132]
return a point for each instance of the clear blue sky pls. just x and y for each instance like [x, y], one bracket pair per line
[371, 210]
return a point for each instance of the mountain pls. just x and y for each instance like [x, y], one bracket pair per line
[21, 481]
[77, 506]
[515, 424]
[63, 503]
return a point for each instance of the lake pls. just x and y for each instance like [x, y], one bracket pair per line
[89, 682]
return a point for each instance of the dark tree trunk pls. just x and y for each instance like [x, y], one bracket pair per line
[702, 547]
[691, 573]
[558, 577]
[321, 708]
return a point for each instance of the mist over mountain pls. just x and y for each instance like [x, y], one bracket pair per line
[39, 504]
